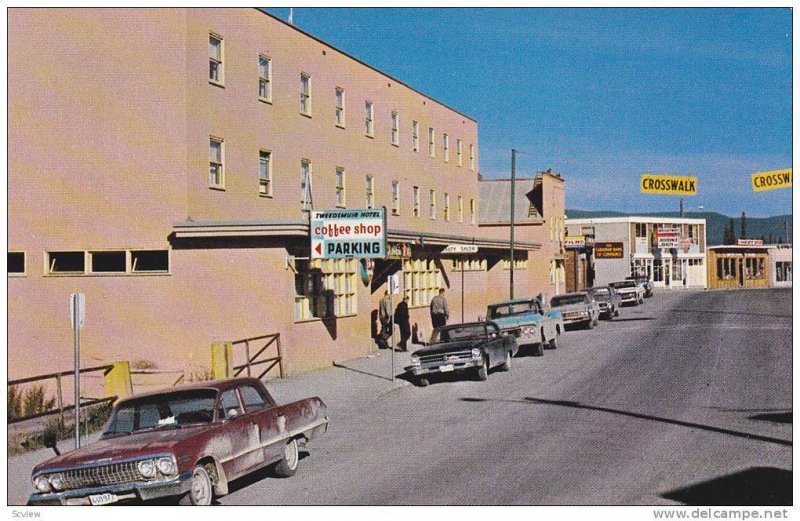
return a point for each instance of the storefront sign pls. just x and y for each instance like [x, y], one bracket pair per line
[574, 242]
[668, 237]
[460, 248]
[749, 242]
[608, 250]
[668, 184]
[772, 180]
[346, 234]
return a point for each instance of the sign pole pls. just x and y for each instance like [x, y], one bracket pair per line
[391, 284]
[76, 325]
[462, 289]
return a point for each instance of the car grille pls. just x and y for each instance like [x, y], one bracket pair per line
[112, 474]
[574, 314]
[449, 358]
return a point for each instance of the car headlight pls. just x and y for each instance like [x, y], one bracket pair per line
[414, 360]
[56, 481]
[476, 353]
[147, 468]
[166, 466]
[42, 484]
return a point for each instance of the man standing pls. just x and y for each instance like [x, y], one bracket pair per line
[401, 318]
[439, 310]
[385, 316]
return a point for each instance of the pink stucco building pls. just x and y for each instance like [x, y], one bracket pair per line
[162, 161]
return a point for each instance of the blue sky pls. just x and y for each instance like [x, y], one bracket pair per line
[600, 95]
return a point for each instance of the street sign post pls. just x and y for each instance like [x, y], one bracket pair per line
[77, 315]
[348, 234]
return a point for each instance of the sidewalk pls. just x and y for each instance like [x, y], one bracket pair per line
[344, 386]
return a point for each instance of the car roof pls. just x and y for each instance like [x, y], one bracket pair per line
[520, 300]
[214, 385]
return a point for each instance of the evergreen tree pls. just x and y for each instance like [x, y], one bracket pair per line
[771, 238]
[744, 226]
[730, 233]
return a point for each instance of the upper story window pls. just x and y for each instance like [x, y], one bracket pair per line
[415, 200]
[341, 200]
[459, 158]
[265, 173]
[472, 211]
[447, 207]
[431, 143]
[370, 189]
[369, 128]
[432, 195]
[395, 129]
[460, 209]
[264, 78]
[306, 202]
[305, 94]
[446, 147]
[339, 114]
[641, 229]
[415, 135]
[216, 71]
[216, 171]
[16, 263]
[395, 198]
[472, 157]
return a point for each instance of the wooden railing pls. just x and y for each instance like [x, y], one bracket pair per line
[251, 361]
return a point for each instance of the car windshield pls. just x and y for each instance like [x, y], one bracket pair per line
[599, 292]
[460, 332]
[507, 310]
[173, 409]
[625, 284]
[565, 300]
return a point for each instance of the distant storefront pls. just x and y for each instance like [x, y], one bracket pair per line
[780, 259]
[738, 266]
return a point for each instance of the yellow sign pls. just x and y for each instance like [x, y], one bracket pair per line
[772, 180]
[668, 184]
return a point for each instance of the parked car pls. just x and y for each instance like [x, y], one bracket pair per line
[473, 347]
[186, 442]
[630, 291]
[576, 308]
[607, 299]
[646, 283]
[527, 321]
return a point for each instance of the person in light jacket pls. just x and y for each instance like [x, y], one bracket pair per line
[385, 316]
[439, 310]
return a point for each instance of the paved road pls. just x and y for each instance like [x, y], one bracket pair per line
[684, 400]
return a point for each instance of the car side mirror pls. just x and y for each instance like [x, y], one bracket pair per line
[232, 414]
[49, 441]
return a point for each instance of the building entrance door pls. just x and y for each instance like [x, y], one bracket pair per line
[667, 272]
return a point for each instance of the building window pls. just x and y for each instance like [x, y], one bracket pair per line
[341, 201]
[726, 268]
[339, 114]
[370, 190]
[144, 261]
[469, 263]
[446, 207]
[305, 94]
[265, 173]
[431, 143]
[108, 262]
[395, 129]
[415, 200]
[641, 230]
[754, 268]
[216, 172]
[421, 281]
[66, 262]
[472, 158]
[783, 271]
[16, 263]
[264, 78]
[432, 195]
[325, 288]
[472, 211]
[395, 198]
[460, 209]
[306, 202]
[216, 72]
[521, 263]
[459, 155]
[415, 136]
[446, 147]
[368, 121]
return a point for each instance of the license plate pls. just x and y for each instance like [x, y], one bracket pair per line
[102, 499]
[446, 368]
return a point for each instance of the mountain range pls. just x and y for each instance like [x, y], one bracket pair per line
[757, 227]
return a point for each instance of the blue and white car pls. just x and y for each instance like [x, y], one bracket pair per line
[527, 321]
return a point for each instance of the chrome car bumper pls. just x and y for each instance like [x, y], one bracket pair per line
[629, 297]
[141, 490]
[460, 365]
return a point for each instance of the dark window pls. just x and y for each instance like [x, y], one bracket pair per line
[252, 398]
[16, 262]
[108, 262]
[67, 262]
[150, 260]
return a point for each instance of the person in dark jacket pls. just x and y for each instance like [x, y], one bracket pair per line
[401, 318]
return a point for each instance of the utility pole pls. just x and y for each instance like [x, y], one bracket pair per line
[513, 188]
[682, 213]
[786, 228]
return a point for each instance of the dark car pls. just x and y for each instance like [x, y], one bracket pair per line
[186, 442]
[474, 347]
[646, 283]
[608, 299]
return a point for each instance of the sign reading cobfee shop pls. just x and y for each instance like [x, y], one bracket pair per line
[348, 234]
[608, 250]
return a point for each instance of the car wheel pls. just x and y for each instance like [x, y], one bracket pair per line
[641, 300]
[611, 315]
[424, 382]
[538, 349]
[483, 371]
[506, 365]
[201, 491]
[590, 324]
[554, 342]
[291, 458]
[616, 312]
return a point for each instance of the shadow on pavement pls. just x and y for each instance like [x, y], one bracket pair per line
[773, 417]
[635, 319]
[691, 425]
[258, 475]
[341, 366]
[718, 312]
[762, 486]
